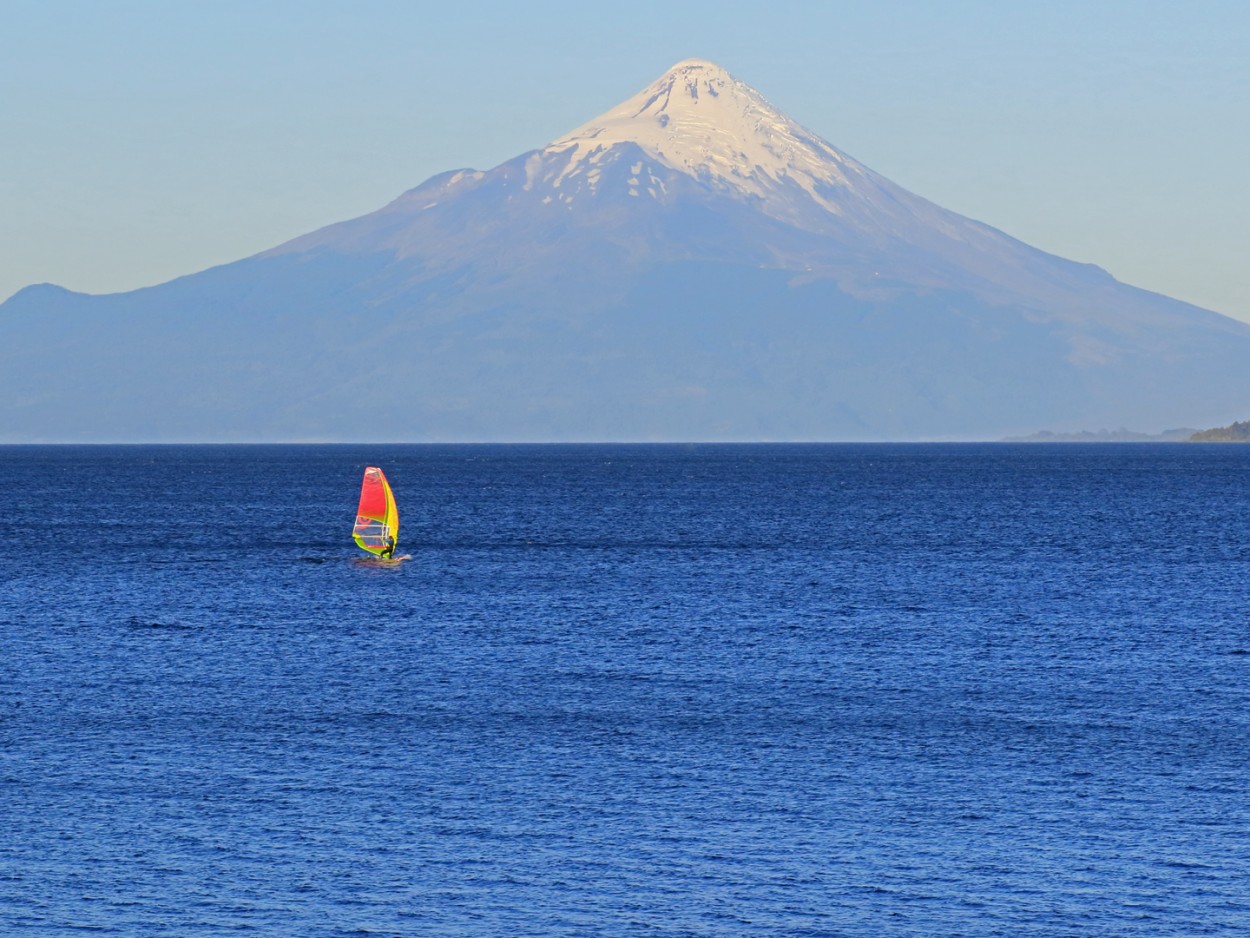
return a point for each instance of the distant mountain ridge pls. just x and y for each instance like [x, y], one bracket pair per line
[690, 265]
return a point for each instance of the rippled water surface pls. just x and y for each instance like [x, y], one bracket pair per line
[709, 690]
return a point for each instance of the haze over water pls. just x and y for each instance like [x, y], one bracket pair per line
[626, 690]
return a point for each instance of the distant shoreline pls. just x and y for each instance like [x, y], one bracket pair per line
[1234, 433]
[1179, 435]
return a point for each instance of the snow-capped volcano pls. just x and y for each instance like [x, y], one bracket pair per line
[690, 265]
[700, 120]
[696, 140]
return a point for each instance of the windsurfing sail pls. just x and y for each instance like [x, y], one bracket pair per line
[377, 517]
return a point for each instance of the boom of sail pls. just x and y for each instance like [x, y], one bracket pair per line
[377, 518]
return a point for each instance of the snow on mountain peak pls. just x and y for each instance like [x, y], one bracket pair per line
[700, 120]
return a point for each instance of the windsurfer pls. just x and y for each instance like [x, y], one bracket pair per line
[377, 519]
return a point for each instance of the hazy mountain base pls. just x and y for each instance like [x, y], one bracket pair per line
[275, 349]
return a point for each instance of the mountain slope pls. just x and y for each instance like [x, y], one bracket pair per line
[690, 265]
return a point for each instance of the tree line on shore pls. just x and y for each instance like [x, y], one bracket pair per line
[1234, 433]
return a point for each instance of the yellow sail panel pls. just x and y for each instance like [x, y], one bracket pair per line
[392, 512]
[377, 518]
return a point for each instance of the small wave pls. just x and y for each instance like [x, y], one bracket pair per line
[1180, 863]
[135, 622]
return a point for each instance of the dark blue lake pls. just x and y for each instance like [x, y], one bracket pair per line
[627, 690]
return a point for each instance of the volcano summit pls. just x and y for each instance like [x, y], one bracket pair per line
[690, 265]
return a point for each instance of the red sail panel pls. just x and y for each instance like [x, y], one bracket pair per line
[373, 495]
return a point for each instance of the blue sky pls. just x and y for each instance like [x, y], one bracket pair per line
[140, 141]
